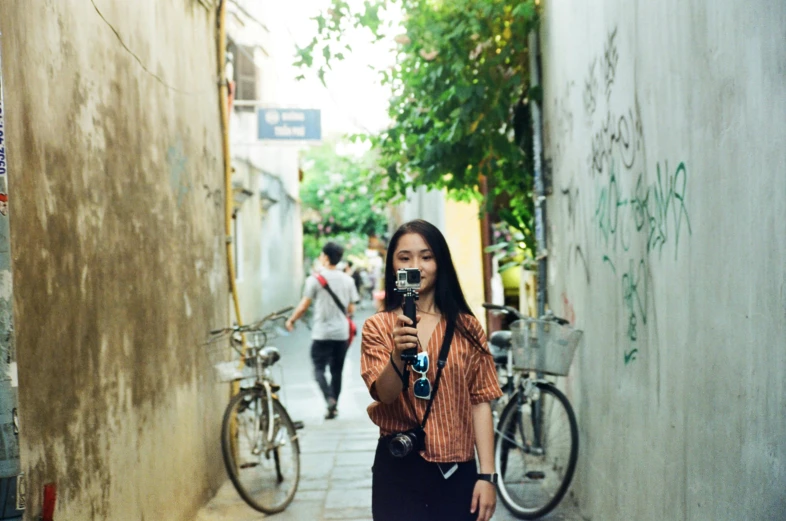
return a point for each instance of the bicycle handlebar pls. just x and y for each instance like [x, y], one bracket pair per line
[515, 312]
[276, 315]
[504, 309]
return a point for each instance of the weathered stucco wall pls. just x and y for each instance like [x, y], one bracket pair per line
[665, 135]
[118, 253]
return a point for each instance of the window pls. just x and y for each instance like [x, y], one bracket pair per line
[244, 73]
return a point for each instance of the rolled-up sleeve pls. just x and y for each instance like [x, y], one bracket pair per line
[375, 348]
[482, 379]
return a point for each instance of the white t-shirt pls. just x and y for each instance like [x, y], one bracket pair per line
[329, 323]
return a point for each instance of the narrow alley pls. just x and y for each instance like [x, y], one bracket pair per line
[336, 455]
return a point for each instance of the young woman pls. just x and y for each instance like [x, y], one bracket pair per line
[442, 481]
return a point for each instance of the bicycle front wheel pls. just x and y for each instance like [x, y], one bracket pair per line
[535, 451]
[261, 453]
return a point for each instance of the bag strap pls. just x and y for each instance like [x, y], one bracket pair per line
[325, 285]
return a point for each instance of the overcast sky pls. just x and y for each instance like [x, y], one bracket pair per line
[354, 100]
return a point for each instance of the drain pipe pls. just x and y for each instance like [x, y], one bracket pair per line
[540, 191]
[224, 105]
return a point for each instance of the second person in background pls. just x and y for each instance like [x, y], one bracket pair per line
[334, 295]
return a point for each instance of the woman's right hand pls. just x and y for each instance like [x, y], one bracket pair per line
[405, 336]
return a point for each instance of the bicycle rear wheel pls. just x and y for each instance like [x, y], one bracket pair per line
[264, 469]
[535, 451]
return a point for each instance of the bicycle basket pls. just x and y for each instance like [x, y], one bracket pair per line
[543, 346]
[227, 366]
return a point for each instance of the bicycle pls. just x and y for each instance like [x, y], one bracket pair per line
[259, 440]
[536, 440]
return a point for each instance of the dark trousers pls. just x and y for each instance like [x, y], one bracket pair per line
[329, 353]
[413, 489]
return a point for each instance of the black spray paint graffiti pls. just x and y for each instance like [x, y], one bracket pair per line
[572, 200]
[609, 64]
[623, 134]
[591, 91]
[562, 117]
[608, 72]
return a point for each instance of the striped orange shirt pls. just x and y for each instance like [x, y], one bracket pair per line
[469, 378]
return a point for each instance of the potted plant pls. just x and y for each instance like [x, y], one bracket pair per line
[511, 253]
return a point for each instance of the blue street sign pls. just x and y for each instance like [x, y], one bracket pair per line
[289, 124]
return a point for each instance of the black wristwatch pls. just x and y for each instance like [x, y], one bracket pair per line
[491, 478]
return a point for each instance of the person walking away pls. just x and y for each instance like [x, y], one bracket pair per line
[330, 327]
[453, 377]
[353, 272]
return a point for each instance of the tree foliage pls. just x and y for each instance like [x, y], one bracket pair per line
[460, 96]
[336, 202]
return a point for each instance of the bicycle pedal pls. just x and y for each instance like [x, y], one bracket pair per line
[535, 474]
[275, 387]
[298, 425]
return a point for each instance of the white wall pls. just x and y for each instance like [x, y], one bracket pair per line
[665, 133]
[271, 271]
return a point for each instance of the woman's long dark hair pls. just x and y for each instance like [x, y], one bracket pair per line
[448, 296]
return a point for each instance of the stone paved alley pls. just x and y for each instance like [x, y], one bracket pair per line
[336, 455]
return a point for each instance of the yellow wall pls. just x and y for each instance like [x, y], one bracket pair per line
[462, 231]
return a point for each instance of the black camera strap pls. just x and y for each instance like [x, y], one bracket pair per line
[443, 358]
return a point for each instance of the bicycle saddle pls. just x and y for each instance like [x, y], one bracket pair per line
[501, 339]
[270, 355]
[499, 343]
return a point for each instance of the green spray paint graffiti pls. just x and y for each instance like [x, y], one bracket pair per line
[628, 211]
[178, 181]
[651, 207]
[655, 211]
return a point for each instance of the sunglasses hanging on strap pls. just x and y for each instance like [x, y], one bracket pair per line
[422, 387]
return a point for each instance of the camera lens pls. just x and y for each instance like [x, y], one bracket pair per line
[400, 445]
[413, 276]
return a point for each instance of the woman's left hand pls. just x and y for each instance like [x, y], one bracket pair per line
[484, 500]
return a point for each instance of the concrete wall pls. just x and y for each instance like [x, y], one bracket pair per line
[665, 134]
[119, 267]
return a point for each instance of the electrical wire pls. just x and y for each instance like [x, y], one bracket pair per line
[142, 65]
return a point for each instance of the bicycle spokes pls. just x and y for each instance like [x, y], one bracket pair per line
[535, 451]
[262, 452]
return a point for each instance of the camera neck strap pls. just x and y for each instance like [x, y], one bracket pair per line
[443, 358]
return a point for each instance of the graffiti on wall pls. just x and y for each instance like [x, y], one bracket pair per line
[178, 179]
[637, 210]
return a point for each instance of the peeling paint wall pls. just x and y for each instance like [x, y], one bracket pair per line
[118, 252]
[664, 133]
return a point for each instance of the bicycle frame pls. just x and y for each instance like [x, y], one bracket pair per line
[526, 389]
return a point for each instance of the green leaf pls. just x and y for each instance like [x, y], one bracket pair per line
[452, 116]
[524, 10]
